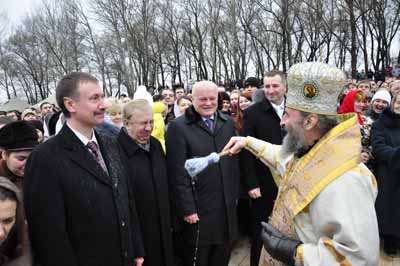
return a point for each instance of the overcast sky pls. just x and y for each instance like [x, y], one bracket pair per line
[16, 9]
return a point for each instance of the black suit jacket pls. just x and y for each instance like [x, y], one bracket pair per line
[77, 214]
[260, 121]
[216, 187]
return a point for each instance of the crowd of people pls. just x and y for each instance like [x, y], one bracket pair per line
[96, 181]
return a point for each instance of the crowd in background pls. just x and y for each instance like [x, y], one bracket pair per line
[254, 110]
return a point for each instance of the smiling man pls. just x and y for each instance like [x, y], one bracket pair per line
[261, 120]
[78, 204]
[207, 210]
[147, 169]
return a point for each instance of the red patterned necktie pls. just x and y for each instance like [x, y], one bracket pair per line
[94, 149]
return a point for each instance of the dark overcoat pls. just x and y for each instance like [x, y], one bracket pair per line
[77, 214]
[260, 121]
[216, 189]
[149, 182]
[385, 139]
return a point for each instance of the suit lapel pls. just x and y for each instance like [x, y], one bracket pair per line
[81, 156]
[202, 125]
[112, 157]
[220, 120]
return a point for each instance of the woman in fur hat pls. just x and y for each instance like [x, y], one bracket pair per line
[17, 140]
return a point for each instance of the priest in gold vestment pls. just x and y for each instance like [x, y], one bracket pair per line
[324, 213]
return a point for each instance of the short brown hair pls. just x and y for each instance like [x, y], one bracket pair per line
[68, 87]
[365, 81]
[43, 103]
[275, 72]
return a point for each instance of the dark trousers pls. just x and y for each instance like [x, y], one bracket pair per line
[391, 244]
[260, 211]
[243, 212]
[212, 255]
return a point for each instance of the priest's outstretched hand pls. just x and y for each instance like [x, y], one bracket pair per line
[235, 145]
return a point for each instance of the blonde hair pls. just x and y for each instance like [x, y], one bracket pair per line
[394, 98]
[113, 107]
[132, 106]
[394, 83]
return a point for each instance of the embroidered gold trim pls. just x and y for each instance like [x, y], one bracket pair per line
[261, 152]
[349, 125]
[247, 142]
[338, 257]
[256, 153]
[324, 183]
[300, 255]
[366, 172]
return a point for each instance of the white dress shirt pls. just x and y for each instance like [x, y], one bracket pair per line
[279, 109]
[82, 138]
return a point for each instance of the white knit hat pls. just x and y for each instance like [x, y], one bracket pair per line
[382, 95]
[142, 93]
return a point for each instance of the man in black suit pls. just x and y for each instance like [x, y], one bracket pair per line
[79, 208]
[208, 211]
[262, 121]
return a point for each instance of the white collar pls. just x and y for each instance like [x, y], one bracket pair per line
[279, 109]
[81, 137]
[280, 106]
[206, 118]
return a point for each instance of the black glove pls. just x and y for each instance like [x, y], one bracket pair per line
[279, 246]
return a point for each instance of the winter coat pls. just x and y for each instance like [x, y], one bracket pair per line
[159, 125]
[108, 130]
[78, 214]
[147, 172]
[260, 121]
[386, 149]
[215, 192]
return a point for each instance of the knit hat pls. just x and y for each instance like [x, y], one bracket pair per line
[252, 81]
[382, 95]
[142, 93]
[18, 136]
[26, 112]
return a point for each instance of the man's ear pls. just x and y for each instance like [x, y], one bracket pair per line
[70, 104]
[3, 154]
[125, 122]
[310, 121]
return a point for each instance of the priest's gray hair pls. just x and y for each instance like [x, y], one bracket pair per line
[325, 122]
